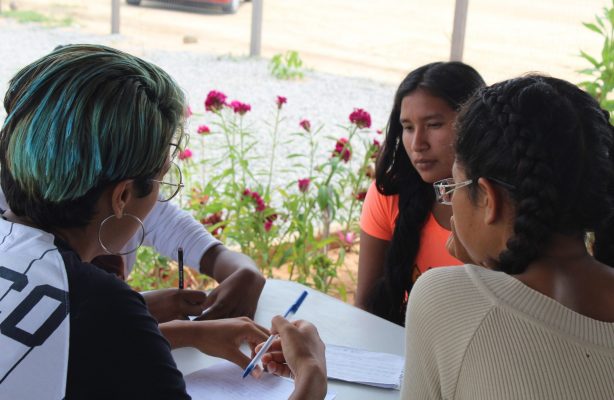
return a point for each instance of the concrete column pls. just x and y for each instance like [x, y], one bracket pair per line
[114, 16]
[458, 31]
[255, 42]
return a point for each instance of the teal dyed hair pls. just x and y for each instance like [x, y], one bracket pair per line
[85, 116]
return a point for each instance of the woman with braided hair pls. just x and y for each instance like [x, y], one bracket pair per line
[533, 318]
[403, 230]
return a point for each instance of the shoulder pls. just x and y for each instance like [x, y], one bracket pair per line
[379, 213]
[439, 292]
[446, 307]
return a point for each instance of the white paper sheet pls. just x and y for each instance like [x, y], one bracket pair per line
[365, 367]
[224, 381]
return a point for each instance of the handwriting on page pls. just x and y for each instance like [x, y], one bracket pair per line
[224, 381]
[365, 367]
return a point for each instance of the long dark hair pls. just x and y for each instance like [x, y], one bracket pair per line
[453, 82]
[552, 142]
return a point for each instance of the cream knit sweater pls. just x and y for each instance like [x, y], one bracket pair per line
[473, 333]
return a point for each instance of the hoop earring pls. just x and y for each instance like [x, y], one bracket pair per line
[106, 249]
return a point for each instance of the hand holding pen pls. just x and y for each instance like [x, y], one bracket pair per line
[263, 348]
[298, 353]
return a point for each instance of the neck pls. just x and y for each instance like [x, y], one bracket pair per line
[82, 240]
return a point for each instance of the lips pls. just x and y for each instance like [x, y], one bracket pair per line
[424, 164]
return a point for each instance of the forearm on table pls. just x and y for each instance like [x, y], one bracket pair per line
[219, 263]
[180, 333]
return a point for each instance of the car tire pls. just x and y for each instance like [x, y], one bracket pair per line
[134, 2]
[231, 7]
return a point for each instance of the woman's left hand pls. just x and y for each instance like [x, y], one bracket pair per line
[236, 296]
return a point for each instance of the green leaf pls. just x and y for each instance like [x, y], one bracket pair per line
[592, 27]
[589, 58]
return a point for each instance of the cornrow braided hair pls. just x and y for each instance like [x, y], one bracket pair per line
[552, 142]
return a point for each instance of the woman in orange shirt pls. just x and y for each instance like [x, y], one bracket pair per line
[403, 231]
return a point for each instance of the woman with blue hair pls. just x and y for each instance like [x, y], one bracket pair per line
[85, 153]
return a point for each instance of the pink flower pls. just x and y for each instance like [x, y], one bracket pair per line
[281, 100]
[347, 239]
[379, 131]
[188, 112]
[305, 124]
[203, 129]
[342, 150]
[360, 196]
[303, 185]
[185, 154]
[268, 224]
[240, 108]
[215, 101]
[360, 118]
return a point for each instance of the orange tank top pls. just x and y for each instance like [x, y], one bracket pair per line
[378, 219]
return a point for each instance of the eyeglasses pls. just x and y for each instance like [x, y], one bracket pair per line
[170, 184]
[444, 189]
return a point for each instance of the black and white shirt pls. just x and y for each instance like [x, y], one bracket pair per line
[70, 330]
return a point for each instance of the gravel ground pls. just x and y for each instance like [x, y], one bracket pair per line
[322, 98]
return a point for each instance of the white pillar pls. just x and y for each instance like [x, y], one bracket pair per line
[114, 16]
[458, 32]
[255, 42]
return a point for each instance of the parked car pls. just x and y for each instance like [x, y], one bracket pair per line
[228, 6]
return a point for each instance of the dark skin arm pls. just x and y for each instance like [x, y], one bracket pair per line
[240, 284]
[370, 266]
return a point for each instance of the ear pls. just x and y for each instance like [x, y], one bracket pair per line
[121, 195]
[491, 201]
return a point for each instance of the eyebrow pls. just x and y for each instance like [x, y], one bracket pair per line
[425, 118]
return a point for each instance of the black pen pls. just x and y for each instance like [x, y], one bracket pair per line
[180, 263]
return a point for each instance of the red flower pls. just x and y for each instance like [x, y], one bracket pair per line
[281, 100]
[203, 129]
[303, 185]
[376, 146]
[214, 219]
[360, 196]
[268, 224]
[360, 118]
[185, 154]
[240, 108]
[305, 124]
[342, 150]
[260, 205]
[215, 101]
[379, 131]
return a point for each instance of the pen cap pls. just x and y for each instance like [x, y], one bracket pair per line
[294, 308]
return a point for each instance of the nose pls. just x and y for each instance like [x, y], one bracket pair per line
[418, 141]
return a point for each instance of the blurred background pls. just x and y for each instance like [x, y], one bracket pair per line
[381, 40]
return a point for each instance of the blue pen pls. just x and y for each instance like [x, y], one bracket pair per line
[291, 311]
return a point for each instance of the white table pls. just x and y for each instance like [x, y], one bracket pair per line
[337, 322]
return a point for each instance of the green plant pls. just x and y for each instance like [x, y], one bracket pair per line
[28, 16]
[287, 66]
[602, 70]
[151, 271]
[290, 224]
